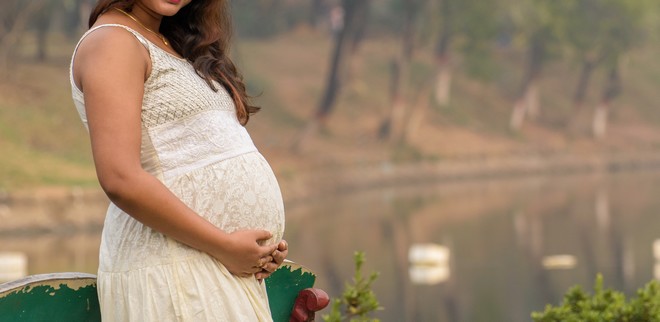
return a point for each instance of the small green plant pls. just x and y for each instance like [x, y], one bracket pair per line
[605, 305]
[358, 299]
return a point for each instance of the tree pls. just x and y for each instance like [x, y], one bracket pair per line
[14, 18]
[76, 13]
[266, 18]
[584, 28]
[539, 24]
[474, 24]
[441, 53]
[42, 21]
[598, 33]
[624, 22]
[392, 126]
[347, 41]
[316, 9]
[464, 26]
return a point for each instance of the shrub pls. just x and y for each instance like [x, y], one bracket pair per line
[358, 300]
[605, 305]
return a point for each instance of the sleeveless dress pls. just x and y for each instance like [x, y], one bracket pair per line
[193, 142]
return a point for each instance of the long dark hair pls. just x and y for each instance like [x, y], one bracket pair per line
[201, 32]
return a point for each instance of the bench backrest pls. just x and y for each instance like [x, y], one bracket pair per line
[72, 297]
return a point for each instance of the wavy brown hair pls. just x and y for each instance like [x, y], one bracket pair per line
[201, 32]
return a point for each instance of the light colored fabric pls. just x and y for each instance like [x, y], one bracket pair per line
[192, 142]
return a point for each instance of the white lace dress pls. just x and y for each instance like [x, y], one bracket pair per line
[193, 142]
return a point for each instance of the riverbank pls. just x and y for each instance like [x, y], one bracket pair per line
[316, 184]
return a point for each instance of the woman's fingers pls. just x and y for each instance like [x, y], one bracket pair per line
[270, 267]
[278, 257]
[283, 245]
[263, 274]
[262, 235]
[267, 250]
[246, 254]
[282, 251]
[268, 257]
[264, 260]
[251, 272]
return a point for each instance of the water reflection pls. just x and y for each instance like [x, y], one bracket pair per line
[559, 262]
[13, 265]
[429, 264]
[502, 236]
[496, 241]
[48, 253]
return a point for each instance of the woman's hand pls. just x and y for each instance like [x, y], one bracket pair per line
[278, 257]
[243, 254]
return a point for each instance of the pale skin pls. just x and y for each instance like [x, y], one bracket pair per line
[111, 61]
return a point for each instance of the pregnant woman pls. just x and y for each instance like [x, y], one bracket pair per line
[196, 216]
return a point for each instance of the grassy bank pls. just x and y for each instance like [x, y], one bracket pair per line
[41, 138]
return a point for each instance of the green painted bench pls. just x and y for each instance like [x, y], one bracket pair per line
[72, 297]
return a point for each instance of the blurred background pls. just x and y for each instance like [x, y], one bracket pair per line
[485, 155]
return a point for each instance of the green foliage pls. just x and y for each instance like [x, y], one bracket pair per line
[604, 305]
[358, 298]
[602, 30]
[264, 18]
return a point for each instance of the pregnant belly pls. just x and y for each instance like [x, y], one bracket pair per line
[235, 194]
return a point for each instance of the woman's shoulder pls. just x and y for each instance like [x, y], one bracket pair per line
[109, 48]
[108, 41]
[114, 36]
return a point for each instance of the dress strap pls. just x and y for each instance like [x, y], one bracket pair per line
[137, 35]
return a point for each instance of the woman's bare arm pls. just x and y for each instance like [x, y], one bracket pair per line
[111, 67]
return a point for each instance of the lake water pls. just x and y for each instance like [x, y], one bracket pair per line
[498, 249]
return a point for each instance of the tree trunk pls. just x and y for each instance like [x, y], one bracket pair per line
[43, 19]
[42, 45]
[600, 120]
[443, 82]
[354, 10]
[612, 90]
[574, 124]
[533, 101]
[392, 126]
[13, 32]
[419, 108]
[346, 44]
[315, 12]
[354, 63]
[528, 92]
[84, 11]
[588, 66]
[442, 57]
[526, 105]
[76, 17]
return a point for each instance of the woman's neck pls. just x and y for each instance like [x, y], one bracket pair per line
[146, 16]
